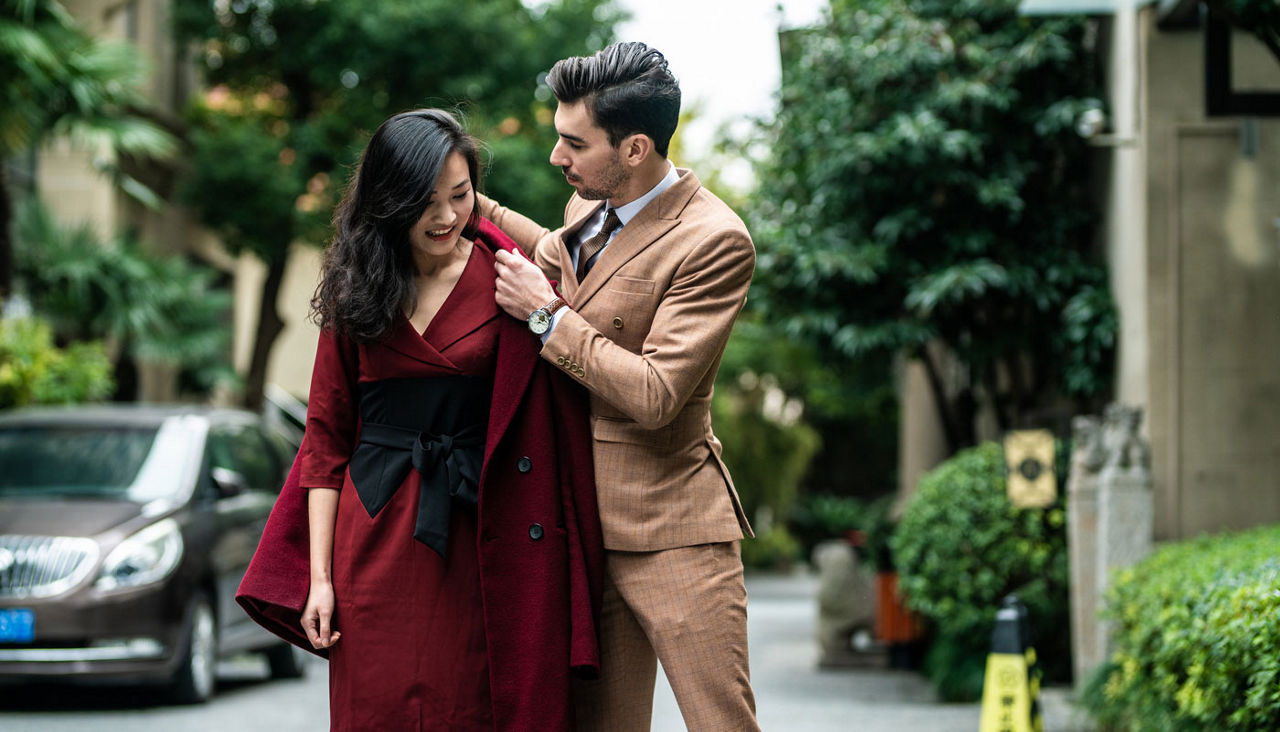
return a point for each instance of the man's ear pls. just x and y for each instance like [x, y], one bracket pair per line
[636, 149]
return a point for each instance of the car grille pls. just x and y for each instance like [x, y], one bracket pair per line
[43, 566]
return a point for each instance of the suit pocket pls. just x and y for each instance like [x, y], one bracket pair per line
[627, 432]
[631, 285]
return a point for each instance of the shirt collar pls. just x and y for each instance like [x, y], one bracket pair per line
[629, 211]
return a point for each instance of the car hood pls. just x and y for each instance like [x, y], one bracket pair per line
[63, 516]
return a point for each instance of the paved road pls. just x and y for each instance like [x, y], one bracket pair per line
[791, 693]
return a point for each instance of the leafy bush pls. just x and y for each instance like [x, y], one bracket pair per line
[1197, 638]
[33, 371]
[768, 453]
[961, 547]
[818, 517]
[775, 548]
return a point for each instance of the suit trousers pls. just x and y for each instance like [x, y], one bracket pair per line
[685, 607]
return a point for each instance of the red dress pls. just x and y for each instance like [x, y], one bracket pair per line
[413, 652]
[414, 646]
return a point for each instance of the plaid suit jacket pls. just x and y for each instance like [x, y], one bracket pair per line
[646, 333]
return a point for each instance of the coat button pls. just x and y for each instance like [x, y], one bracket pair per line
[617, 323]
[524, 465]
[560, 360]
[535, 531]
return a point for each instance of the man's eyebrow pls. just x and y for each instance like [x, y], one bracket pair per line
[571, 138]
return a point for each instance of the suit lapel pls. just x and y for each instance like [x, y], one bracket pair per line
[651, 224]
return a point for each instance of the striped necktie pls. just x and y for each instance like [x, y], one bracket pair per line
[591, 247]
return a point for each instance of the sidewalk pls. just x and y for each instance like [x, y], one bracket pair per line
[792, 694]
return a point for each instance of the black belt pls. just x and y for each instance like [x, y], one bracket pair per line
[449, 465]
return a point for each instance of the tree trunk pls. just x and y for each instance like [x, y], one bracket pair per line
[6, 242]
[950, 427]
[269, 327]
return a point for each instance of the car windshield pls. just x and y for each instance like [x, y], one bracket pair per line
[137, 463]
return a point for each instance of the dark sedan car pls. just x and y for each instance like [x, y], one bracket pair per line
[124, 532]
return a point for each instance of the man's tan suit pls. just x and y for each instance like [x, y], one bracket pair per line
[645, 335]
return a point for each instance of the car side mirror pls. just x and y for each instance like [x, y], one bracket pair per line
[229, 482]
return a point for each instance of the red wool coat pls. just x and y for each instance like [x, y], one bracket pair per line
[541, 593]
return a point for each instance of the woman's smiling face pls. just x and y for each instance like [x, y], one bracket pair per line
[448, 208]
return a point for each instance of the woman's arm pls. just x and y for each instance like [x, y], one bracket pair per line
[317, 615]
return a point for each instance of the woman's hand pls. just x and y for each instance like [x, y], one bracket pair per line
[317, 616]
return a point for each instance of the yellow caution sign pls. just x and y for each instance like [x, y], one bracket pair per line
[1011, 687]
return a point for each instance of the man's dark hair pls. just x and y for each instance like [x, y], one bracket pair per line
[627, 88]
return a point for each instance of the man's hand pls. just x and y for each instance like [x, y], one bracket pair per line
[522, 288]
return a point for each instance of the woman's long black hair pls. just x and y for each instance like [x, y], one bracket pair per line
[368, 272]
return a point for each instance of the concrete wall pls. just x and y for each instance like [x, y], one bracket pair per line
[1213, 295]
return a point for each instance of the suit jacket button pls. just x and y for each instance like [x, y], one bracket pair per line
[560, 360]
[535, 531]
[617, 323]
[524, 465]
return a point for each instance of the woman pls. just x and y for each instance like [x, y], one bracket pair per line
[437, 538]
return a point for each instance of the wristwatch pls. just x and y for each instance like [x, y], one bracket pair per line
[540, 319]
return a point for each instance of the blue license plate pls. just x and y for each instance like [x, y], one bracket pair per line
[17, 626]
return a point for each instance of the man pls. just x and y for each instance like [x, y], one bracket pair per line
[654, 278]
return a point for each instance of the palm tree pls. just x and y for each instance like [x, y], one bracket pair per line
[57, 81]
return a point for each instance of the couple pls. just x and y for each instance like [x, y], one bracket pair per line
[466, 528]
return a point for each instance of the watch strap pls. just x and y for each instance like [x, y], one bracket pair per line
[555, 305]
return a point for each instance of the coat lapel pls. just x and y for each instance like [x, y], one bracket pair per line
[517, 356]
[406, 341]
[651, 224]
[459, 317]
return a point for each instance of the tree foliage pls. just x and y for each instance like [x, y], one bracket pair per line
[925, 185]
[55, 80]
[295, 87]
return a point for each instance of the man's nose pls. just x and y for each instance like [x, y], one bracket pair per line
[558, 158]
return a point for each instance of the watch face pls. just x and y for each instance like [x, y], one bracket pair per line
[539, 321]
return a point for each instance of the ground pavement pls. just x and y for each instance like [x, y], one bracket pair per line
[794, 695]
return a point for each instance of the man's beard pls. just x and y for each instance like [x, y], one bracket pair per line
[612, 179]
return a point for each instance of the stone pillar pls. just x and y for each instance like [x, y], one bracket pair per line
[1126, 508]
[1087, 459]
[1110, 521]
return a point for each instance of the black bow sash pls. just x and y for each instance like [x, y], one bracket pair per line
[449, 459]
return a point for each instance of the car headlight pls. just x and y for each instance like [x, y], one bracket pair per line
[146, 557]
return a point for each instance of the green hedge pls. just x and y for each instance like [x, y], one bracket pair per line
[961, 547]
[1197, 638]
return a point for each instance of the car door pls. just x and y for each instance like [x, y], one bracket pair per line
[245, 469]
